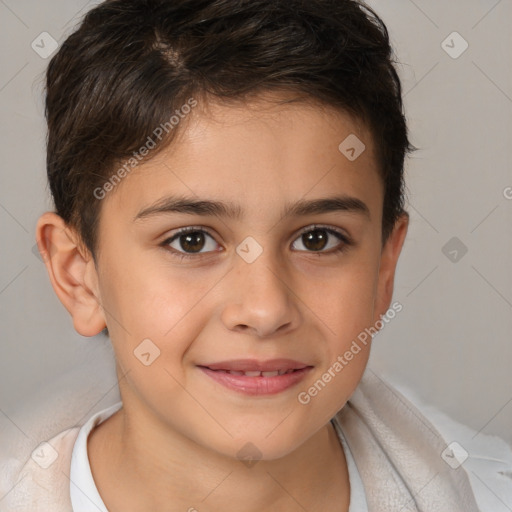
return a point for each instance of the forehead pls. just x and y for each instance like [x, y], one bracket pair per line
[257, 155]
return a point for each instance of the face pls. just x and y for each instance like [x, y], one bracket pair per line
[186, 291]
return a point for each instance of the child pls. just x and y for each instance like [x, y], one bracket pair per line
[228, 184]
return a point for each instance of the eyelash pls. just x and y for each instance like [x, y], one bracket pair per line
[346, 241]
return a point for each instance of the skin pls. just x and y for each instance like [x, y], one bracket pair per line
[174, 443]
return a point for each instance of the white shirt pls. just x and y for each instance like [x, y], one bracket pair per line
[84, 493]
[83, 490]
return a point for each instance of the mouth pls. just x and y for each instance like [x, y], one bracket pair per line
[257, 377]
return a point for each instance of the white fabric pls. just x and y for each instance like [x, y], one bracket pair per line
[489, 465]
[357, 493]
[83, 490]
[403, 459]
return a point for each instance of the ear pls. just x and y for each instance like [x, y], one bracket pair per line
[388, 261]
[72, 273]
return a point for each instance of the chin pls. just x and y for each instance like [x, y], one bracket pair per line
[258, 448]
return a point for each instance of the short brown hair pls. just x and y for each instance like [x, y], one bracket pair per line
[132, 63]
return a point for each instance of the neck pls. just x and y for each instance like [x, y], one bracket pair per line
[137, 466]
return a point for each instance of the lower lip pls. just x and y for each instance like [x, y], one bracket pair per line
[257, 385]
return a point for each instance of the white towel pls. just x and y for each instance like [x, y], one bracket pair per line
[398, 453]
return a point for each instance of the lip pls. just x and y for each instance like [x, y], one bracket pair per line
[258, 385]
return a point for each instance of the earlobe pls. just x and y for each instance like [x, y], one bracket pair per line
[70, 268]
[389, 259]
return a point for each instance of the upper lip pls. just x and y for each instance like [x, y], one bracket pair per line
[248, 365]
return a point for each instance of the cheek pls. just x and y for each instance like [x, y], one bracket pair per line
[155, 303]
[147, 296]
[346, 316]
[346, 304]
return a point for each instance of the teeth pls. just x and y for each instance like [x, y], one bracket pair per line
[252, 374]
[258, 374]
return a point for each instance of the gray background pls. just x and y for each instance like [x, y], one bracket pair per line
[451, 343]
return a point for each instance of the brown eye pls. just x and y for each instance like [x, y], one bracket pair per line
[191, 241]
[318, 239]
[315, 240]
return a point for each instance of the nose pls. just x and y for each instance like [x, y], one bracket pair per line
[261, 298]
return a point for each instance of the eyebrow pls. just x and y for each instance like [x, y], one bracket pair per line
[191, 206]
